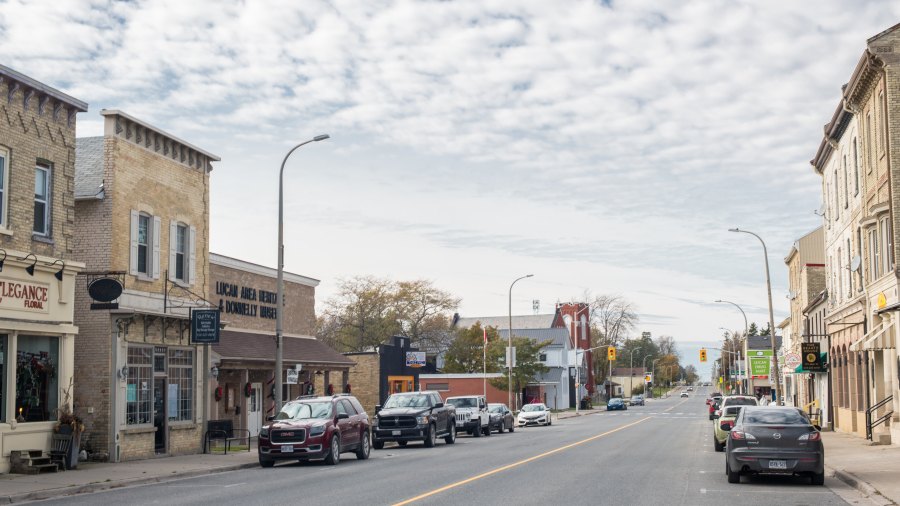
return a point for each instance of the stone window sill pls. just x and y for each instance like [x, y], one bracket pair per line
[6, 231]
[138, 430]
[183, 426]
[41, 238]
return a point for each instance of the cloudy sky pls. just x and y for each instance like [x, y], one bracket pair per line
[598, 145]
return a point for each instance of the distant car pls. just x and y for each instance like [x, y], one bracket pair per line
[732, 400]
[636, 400]
[684, 394]
[690, 389]
[534, 414]
[774, 439]
[501, 418]
[313, 427]
[616, 404]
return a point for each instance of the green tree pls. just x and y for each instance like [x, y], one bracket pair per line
[528, 361]
[753, 330]
[465, 352]
[766, 331]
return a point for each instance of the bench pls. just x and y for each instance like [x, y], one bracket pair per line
[223, 430]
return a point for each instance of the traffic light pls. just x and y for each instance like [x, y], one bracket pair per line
[703, 355]
[611, 352]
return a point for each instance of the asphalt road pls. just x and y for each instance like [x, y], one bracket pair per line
[660, 453]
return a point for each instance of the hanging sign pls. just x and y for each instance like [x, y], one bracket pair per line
[792, 360]
[105, 290]
[812, 358]
[415, 358]
[292, 375]
[882, 301]
[205, 326]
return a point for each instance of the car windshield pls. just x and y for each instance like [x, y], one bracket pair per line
[463, 402]
[496, 409]
[616, 401]
[408, 401]
[635, 397]
[775, 416]
[740, 401]
[305, 410]
[534, 407]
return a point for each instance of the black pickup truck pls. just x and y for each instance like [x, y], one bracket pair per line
[413, 416]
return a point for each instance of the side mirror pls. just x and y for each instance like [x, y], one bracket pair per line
[817, 427]
[438, 405]
[377, 408]
[343, 416]
[271, 419]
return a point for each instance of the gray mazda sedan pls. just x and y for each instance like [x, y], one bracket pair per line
[774, 440]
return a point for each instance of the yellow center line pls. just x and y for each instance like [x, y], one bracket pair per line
[448, 487]
[679, 404]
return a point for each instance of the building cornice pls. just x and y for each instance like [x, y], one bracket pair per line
[157, 141]
[41, 93]
[241, 265]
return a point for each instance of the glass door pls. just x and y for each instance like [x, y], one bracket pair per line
[254, 414]
[159, 413]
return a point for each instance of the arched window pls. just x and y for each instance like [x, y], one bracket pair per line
[846, 185]
[837, 197]
[870, 158]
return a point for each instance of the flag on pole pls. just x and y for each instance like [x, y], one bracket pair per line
[485, 336]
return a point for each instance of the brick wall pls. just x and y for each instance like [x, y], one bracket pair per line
[364, 380]
[299, 301]
[29, 137]
[467, 386]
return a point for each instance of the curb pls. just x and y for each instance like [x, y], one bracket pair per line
[131, 482]
[858, 484]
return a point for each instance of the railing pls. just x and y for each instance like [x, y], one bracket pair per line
[869, 423]
[814, 416]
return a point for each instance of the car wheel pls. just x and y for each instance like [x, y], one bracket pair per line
[733, 477]
[512, 427]
[549, 421]
[266, 463]
[477, 430]
[429, 437]
[334, 454]
[451, 438]
[717, 445]
[378, 445]
[363, 452]
[488, 429]
[817, 479]
[402, 443]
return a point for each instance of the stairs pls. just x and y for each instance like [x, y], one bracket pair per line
[30, 462]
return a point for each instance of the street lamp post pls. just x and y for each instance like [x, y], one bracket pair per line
[631, 381]
[653, 377]
[728, 372]
[778, 400]
[279, 306]
[746, 332]
[644, 367]
[509, 359]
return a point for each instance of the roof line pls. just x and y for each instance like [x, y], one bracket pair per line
[37, 85]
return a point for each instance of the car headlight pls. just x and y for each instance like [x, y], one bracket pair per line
[317, 430]
[421, 420]
[264, 432]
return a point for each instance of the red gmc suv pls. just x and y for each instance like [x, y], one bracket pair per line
[312, 427]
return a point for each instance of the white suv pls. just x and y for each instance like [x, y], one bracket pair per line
[472, 414]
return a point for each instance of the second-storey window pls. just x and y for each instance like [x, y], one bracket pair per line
[874, 254]
[886, 253]
[3, 164]
[179, 253]
[143, 244]
[41, 200]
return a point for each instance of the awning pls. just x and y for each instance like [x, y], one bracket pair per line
[878, 341]
[874, 332]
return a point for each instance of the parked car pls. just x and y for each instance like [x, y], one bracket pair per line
[713, 408]
[472, 414]
[313, 427]
[534, 414]
[414, 416]
[636, 400]
[774, 439]
[616, 403]
[501, 418]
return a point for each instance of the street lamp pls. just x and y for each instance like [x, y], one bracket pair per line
[644, 367]
[279, 306]
[631, 381]
[653, 377]
[509, 359]
[746, 332]
[778, 400]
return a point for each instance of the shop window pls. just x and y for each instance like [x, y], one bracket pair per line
[181, 385]
[42, 200]
[440, 387]
[37, 378]
[4, 345]
[138, 399]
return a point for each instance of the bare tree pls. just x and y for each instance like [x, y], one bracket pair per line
[613, 317]
[425, 312]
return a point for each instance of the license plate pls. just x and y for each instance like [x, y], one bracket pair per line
[395, 432]
[287, 448]
[777, 464]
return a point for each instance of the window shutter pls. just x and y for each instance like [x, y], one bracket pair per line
[157, 225]
[193, 248]
[133, 257]
[173, 242]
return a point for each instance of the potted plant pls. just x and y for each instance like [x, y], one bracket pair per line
[69, 423]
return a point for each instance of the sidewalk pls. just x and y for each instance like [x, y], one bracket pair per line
[872, 470]
[571, 413]
[95, 476]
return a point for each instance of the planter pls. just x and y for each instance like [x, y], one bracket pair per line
[72, 456]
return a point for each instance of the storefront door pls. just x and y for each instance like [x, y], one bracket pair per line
[401, 384]
[254, 414]
[159, 413]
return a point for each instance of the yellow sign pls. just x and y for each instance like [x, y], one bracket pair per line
[611, 352]
[703, 355]
[881, 301]
[647, 378]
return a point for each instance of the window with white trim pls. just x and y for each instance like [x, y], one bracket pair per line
[874, 255]
[181, 385]
[138, 400]
[846, 185]
[886, 243]
[144, 261]
[182, 252]
[837, 198]
[42, 200]
[4, 164]
[869, 150]
[855, 169]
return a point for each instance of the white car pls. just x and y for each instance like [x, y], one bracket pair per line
[472, 414]
[534, 414]
[684, 394]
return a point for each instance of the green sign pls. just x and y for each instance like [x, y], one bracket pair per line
[760, 366]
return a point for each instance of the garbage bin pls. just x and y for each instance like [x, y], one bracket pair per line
[582, 404]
